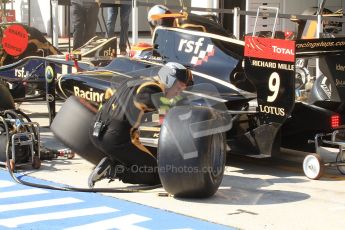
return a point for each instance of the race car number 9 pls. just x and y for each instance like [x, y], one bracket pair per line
[273, 85]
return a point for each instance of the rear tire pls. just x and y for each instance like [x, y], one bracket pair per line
[71, 126]
[190, 167]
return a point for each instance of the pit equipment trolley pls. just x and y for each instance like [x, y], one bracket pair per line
[313, 164]
[19, 140]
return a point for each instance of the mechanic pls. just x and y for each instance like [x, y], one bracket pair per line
[159, 10]
[84, 19]
[115, 130]
[125, 11]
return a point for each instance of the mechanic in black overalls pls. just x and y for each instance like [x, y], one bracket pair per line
[115, 128]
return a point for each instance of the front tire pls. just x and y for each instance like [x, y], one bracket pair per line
[188, 166]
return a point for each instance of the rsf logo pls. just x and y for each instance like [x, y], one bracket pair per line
[21, 73]
[109, 52]
[190, 46]
[195, 47]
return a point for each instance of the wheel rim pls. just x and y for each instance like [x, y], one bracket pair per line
[311, 166]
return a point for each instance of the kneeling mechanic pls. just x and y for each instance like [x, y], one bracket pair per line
[115, 130]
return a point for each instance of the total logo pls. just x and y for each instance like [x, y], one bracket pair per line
[195, 47]
[21, 73]
[281, 50]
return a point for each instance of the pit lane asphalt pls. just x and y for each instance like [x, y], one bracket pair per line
[254, 194]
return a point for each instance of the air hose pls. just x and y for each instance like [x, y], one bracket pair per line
[60, 188]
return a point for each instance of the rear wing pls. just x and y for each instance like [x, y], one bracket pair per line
[98, 47]
[270, 66]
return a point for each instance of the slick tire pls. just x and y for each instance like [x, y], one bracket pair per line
[6, 99]
[190, 165]
[71, 126]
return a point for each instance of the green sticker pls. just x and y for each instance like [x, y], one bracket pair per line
[49, 74]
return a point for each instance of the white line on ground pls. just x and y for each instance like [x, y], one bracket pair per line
[123, 222]
[39, 204]
[17, 221]
[5, 184]
[24, 192]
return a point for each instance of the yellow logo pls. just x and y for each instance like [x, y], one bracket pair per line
[88, 94]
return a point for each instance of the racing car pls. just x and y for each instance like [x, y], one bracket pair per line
[22, 67]
[251, 80]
